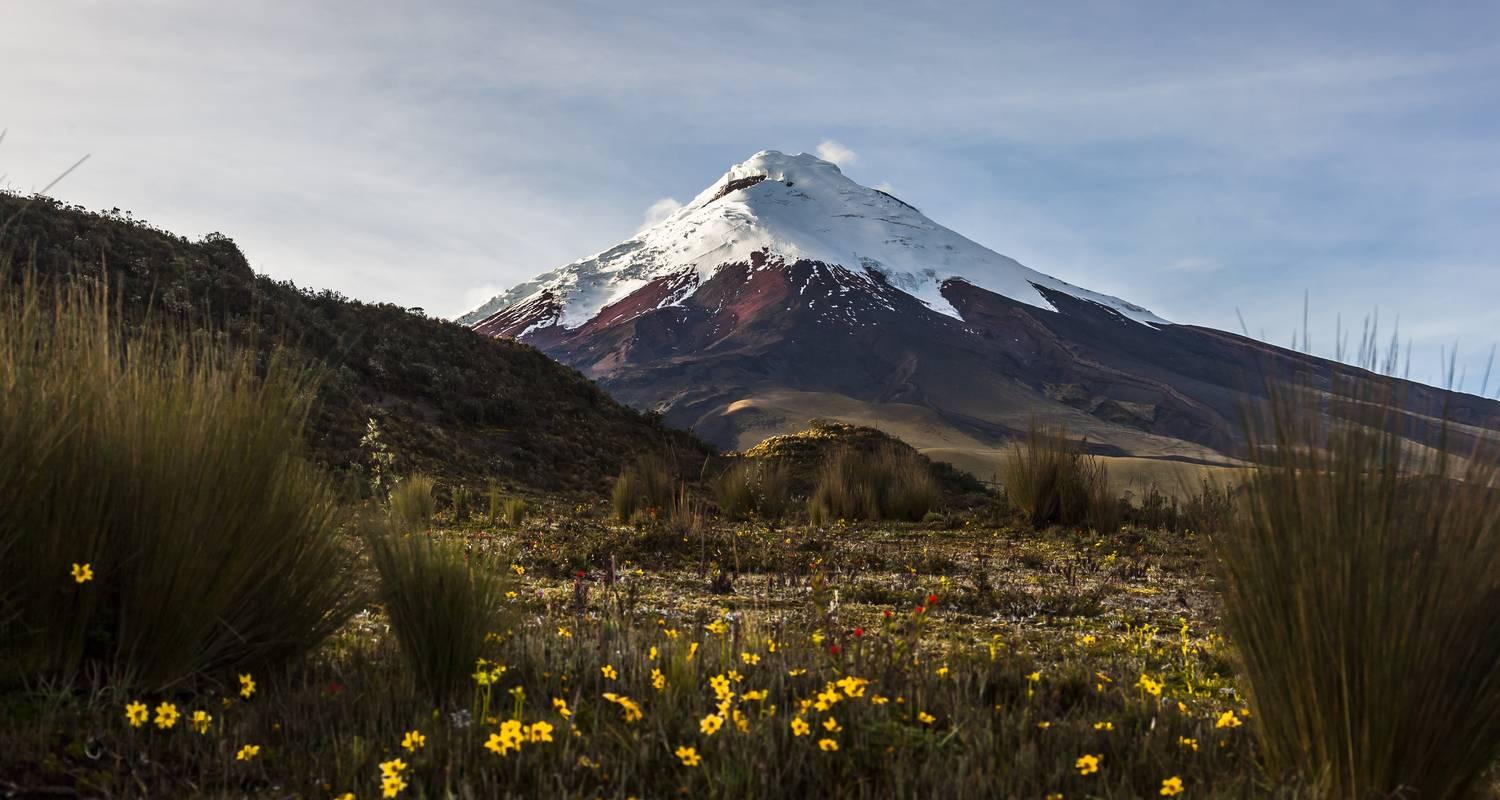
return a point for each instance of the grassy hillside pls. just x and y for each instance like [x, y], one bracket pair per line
[447, 401]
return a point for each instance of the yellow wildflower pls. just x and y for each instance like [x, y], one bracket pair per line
[609, 672]
[1150, 686]
[718, 627]
[720, 686]
[1104, 726]
[136, 714]
[800, 727]
[561, 706]
[689, 756]
[711, 724]
[1192, 744]
[166, 715]
[83, 573]
[925, 718]
[247, 686]
[563, 631]
[393, 767]
[413, 741]
[1171, 786]
[201, 720]
[508, 738]
[828, 745]
[854, 687]
[1228, 720]
[391, 785]
[1087, 764]
[629, 710]
[539, 731]
[651, 655]
[658, 680]
[247, 752]
[749, 658]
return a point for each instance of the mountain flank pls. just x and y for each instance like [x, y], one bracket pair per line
[447, 400]
[786, 291]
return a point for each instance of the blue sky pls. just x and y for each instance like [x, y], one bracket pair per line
[1197, 158]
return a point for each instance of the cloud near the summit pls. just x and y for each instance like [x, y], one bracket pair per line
[830, 150]
[659, 211]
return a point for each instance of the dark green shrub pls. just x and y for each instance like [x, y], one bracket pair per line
[1361, 585]
[754, 487]
[442, 602]
[173, 467]
[412, 504]
[644, 487]
[1052, 481]
[513, 512]
[774, 491]
[463, 503]
[890, 483]
[734, 490]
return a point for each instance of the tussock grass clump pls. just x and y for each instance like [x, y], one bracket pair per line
[443, 602]
[735, 491]
[754, 488]
[644, 487]
[172, 468]
[412, 503]
[890, 483]
[1052, 481]
[513, 512]
[1361, 585]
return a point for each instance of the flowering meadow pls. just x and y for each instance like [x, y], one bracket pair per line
[875, 661]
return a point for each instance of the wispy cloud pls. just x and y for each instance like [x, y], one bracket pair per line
[831, 150]
[659, 212]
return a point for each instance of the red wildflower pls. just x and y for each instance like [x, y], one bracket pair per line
[931, 599]
[887, 613]
[859, 631]
[833, 649]
[921, 609]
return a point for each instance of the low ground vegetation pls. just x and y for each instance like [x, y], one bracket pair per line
[201, 618]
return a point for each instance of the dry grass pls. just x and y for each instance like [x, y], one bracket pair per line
[1362, 587]
[158, 515]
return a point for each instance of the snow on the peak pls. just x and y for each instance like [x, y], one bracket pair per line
[794, 208]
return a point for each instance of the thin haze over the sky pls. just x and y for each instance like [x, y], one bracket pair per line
[1195, 158]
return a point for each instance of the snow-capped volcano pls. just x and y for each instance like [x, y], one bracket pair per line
[786, 291]
[787, 209]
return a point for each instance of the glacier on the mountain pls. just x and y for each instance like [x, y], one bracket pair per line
[792, 208]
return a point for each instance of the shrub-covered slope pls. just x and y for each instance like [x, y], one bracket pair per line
[447, 400]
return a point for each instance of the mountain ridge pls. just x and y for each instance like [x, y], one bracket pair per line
[785, 291]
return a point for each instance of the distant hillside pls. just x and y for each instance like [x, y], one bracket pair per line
[448, 400]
